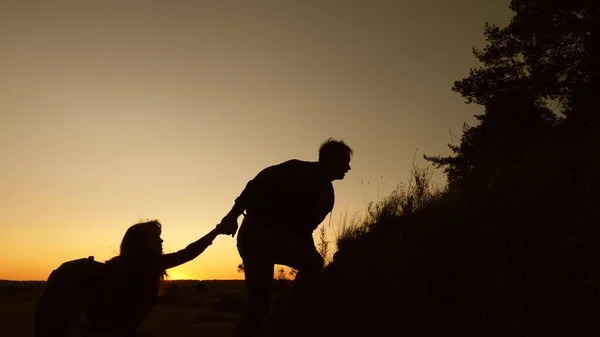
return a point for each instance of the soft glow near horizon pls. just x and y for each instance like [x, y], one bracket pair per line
[111, 112]
[176, 274]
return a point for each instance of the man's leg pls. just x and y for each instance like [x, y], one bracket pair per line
[303, 257]
[260, 248]
[258, 271]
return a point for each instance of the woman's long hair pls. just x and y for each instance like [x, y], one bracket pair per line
[134, 250]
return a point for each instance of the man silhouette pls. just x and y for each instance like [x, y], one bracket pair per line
[283, 205]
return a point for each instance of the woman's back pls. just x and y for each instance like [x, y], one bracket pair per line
[130, 293]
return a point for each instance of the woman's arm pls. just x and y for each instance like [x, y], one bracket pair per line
[190, 252]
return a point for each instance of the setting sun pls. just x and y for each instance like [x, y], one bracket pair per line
[177, 274]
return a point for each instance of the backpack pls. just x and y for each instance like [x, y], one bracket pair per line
[70, 288]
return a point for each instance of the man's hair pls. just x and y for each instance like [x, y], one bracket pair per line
[331, 148]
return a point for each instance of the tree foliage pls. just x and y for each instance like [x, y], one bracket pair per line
[540, 71]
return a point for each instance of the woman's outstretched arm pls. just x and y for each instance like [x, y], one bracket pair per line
[190, 252]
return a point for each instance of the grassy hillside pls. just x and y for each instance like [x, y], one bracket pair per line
[514, 253]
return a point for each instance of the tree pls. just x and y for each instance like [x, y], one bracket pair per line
[548, 52]
[545, 61]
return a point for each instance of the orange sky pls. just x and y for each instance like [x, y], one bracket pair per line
[117, 111]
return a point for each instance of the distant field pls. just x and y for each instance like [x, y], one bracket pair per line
[183, 309]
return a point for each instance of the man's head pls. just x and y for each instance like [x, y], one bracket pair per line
[334, 156]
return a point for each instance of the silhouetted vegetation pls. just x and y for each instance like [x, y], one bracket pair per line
[539, 75]
[511, 246]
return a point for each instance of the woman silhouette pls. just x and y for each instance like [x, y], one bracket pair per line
[133, 278]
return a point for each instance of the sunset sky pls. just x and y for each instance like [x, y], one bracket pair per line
[113, 111]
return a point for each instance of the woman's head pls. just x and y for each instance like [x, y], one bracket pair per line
[142, 240]
[141, 250]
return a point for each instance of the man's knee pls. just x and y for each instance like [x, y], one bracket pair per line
[320, 261]
[310, 270]
[314, 263]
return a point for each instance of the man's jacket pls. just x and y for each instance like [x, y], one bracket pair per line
[291, 197]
